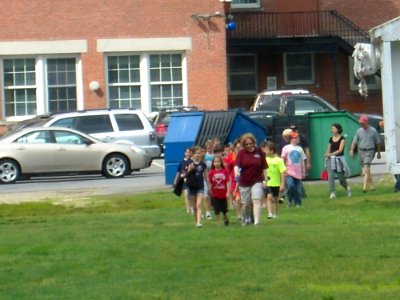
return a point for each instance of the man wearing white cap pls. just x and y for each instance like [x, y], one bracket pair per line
[368, 142]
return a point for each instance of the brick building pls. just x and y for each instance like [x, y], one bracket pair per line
[303, 44]
[81, 54]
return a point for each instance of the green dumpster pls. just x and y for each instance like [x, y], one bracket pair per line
[319, 134]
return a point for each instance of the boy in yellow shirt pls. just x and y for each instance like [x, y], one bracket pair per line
[275, 173]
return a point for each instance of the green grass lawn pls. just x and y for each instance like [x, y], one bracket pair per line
[147, 247]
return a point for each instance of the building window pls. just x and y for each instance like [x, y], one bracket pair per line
[242, 74]
[124, 81]
[38, 85]
[19, 87]
[299, 68]
[146, 81]
[245, 3]
[61, 84]
[373, 81]
[166, 81]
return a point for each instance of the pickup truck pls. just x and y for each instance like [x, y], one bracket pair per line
[297, 103]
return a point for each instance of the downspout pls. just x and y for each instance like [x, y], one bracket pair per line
[335, 58]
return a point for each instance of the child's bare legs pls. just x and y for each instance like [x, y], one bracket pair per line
[274, 206]
[188, 206]
[269, 204]
[256, 210]
[207, 206]
[196, 201]
[218, 218]
[238, 207]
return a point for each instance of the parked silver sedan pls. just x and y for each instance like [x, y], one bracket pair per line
[59, 150]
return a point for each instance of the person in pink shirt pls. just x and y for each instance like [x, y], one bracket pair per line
[294, 157]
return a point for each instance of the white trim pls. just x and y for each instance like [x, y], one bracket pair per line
[386, 32]
[144, 44]
[43, 47]
[41, 90]
[79, 83]
[185, 98]
[246, 5]
[145, 82]
[42, 86]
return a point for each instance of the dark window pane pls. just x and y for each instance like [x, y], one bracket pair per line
[154, 61]
[112, 76]
[166, 75]
[94, 124]
[123, 76]
[155, 75]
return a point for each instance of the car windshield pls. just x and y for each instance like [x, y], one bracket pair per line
[269, 102]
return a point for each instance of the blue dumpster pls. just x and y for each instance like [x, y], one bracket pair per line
[195, 128]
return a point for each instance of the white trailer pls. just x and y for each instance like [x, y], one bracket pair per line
[384, 53]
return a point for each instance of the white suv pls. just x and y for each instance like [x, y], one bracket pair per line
[108, 125]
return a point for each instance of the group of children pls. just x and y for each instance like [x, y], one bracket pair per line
[209, 180]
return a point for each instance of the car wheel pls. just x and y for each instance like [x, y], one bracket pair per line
[115, 166]
[9, 171]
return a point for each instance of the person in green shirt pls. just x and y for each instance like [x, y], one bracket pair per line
[275, 178]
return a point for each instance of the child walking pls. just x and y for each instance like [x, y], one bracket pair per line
[181, 175]
[196, 174]
[219, 178]
[275, 174]
[294, 157]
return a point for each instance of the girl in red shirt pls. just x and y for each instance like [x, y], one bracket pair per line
[218, 178]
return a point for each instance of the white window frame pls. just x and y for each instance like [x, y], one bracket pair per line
[353, 81]
[296, 82]
[145, 83]
[245, 5]
[41, 83]
[243, 92]
[3, 89]
[129, 84]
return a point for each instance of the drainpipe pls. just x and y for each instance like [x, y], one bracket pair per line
[335, 58]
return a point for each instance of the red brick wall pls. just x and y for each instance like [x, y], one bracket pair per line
[272, 65]
[367, 13]
[92, 19]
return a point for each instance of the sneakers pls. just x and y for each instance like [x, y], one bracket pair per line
[332, 196]
[348, 192]
[274, 216]
[270, 216]
[199, 225]
[208, 215]
[281, 200]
